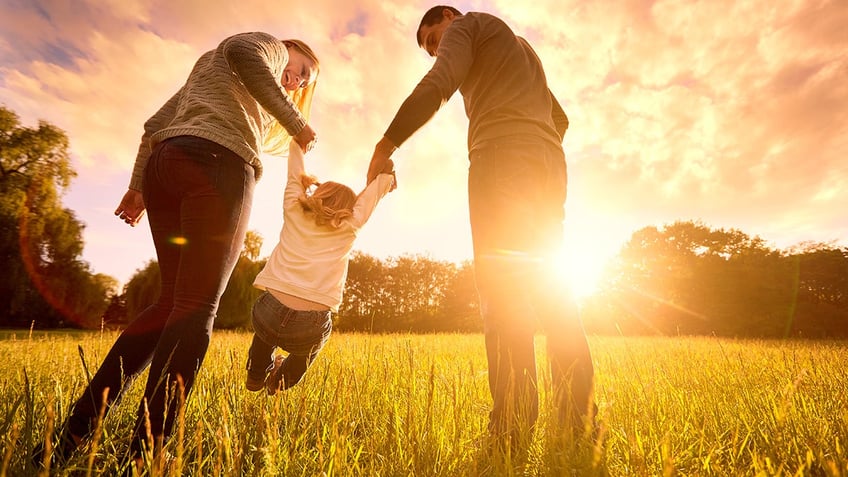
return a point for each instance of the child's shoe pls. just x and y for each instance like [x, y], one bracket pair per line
[63, 445]
[275, 376]
[254, 384]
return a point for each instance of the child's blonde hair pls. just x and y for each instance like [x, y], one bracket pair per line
[331, 202]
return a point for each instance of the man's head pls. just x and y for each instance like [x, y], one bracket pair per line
[433, 25]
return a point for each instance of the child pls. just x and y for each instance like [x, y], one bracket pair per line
[304, 277]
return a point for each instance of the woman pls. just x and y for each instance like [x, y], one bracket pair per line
[194, 173]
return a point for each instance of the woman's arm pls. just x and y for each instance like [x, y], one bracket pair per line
[250, 56]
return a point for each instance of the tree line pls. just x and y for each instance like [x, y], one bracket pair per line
[403, 294]
[681, 278]
[688, 278]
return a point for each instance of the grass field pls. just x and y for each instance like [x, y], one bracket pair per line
[411, 405]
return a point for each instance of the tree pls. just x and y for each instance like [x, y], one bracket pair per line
[687, 278]
[45, 282]
[237, 301]
[417, 287]
[460, 307]
[821, 302]
[252, 245]
[142, 290]
[409, 293]
[364, 297]
[115, 315]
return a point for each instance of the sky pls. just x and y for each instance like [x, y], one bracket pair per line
[729, 112]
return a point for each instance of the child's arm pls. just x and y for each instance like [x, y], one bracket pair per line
[294, 186]
[367, 200]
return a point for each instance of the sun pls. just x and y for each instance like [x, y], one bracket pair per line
[581, 268]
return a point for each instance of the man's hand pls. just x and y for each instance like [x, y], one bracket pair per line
[131, 208]
[380, 161]
[306, 138]
[390, 169]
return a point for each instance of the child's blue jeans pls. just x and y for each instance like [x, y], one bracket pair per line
[301, 334]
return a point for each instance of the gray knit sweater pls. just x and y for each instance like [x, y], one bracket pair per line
[232, 97]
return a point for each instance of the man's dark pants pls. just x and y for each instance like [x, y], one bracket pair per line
[516, 191]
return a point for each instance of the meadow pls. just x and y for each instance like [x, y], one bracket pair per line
[416, 405]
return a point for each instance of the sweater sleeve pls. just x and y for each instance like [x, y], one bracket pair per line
[249, 56]
[453, 61]
[559, 116]
[156, 122]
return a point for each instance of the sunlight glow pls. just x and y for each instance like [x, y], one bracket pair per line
[582, 270]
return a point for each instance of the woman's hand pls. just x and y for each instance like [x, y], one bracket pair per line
[131, 208]
[306, 138]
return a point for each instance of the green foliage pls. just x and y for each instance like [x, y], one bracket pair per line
[252, 245]
[237, 300]
[408, 293]
[364, 295]
[142, 290]
[45, 282]
[399, 405]
[689, 279]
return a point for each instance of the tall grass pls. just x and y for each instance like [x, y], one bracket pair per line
[402, 405]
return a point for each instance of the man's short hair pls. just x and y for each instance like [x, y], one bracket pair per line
[433, 16]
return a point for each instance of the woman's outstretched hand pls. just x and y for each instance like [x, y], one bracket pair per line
[306, 138]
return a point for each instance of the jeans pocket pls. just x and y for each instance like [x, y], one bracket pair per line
[266, 316]
[304, 334]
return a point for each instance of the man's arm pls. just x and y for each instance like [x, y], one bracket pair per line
[453, 60]
[559, 117]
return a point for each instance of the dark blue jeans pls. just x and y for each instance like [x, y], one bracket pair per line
[516, 195]
[300, 333]
[198, 197]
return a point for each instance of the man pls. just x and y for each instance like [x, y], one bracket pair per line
[516, 195]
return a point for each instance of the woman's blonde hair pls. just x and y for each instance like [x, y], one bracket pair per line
[277, 139]
[330, 202]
